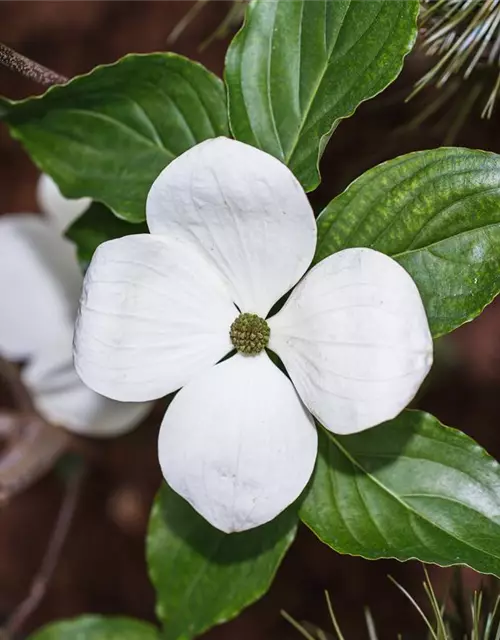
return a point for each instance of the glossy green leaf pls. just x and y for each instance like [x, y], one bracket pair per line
[297, 67]
[97, 628]
[202, 576]
[108, 134]
[410, 488]
[438, 214]
[97, 225]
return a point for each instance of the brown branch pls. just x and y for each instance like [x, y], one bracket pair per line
[41, 581]
[31, 444]
[32, 448]
[10, 378]
[28, 68]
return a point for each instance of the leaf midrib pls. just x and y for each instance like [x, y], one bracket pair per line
[305, 115]
[427, 247]
[398, 499]
[130, 131]
[359, 187]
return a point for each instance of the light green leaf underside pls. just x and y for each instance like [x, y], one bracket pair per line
[98, 628]
[297, 67]
[438, 214]
[202, 576]
[108, 134]
[410, 488]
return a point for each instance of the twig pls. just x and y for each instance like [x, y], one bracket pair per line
[28, 68]
[31, 444]
[50, 560]
[32, 448]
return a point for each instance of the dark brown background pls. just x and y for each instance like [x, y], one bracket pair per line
[103, 568]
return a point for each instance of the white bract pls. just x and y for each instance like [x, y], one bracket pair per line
[40, 285]
[231, 232]
[61, 211]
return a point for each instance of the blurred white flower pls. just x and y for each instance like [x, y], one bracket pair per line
[232, 231]
[40, 284]
[61, 211]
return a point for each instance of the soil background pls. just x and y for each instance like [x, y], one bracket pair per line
[102, 569]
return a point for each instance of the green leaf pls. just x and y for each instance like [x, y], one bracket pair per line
[410, 488]
[438, 214]
[108, 134]
[297, 67]
[202, 576]
[97, 225]
[97, 628]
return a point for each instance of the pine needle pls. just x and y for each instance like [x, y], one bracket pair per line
[370, 625]
[464, 36]
[299, 627]
[332, 616]
[417, 607]
[482, 624]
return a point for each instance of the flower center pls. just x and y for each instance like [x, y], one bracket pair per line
[249, 334]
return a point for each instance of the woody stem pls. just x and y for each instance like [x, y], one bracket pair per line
[28, 68]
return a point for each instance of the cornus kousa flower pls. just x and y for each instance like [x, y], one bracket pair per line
[232, 232]
[40, 285]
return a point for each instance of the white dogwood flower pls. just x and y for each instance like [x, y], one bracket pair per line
[232, 231]
[40, 285]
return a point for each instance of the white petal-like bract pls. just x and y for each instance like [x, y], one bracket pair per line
[40, 283]
[245, 210]
[61, 211]
[238, 444]
[354, 339]
[63, 399]
[154, 313]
